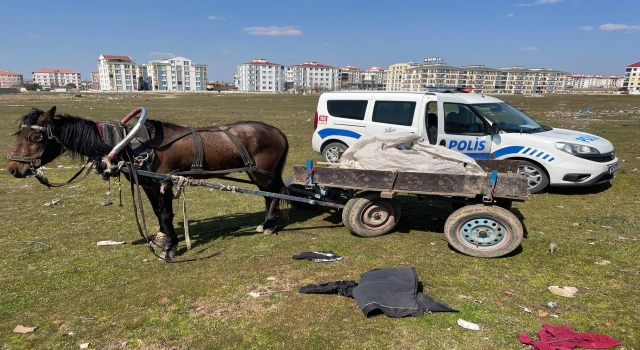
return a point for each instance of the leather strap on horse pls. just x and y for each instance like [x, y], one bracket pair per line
[179, 183]
[198, 150]
[197, 166]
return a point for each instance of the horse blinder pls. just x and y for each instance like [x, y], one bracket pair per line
[36, 136]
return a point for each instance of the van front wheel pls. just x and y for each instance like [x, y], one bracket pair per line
[537, 178]
[332, 152]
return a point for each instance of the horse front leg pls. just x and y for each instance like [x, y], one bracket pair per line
[162, 204]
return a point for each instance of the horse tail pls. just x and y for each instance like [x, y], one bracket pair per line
[284, 206]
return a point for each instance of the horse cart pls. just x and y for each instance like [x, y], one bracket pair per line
[178, 156]
[480, 226]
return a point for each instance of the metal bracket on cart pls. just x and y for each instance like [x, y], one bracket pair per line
[488, 196]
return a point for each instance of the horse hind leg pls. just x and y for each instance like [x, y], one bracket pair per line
[268, 225]
[272, 208]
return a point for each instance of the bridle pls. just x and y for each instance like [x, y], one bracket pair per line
[40, 135]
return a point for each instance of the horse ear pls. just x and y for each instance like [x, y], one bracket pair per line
[47, 117]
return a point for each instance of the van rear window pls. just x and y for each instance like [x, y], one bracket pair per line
[349, 109]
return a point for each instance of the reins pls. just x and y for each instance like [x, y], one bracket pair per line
[43, 180]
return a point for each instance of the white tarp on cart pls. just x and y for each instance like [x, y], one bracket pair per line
[406, 152]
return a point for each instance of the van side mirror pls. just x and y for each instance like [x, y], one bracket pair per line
[495, 129]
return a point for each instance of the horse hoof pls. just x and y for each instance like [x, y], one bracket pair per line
[260, 228]
[169, 254]
[268, 231]
[158, 241]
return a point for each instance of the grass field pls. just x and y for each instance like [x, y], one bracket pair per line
[53, 275]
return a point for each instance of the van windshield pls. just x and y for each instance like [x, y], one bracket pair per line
[509, 118]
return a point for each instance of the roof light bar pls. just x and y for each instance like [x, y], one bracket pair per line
[463, 89]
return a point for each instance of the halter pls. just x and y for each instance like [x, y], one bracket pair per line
[41, 135]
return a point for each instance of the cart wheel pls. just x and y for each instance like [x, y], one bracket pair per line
[483, 231]
[370, 216]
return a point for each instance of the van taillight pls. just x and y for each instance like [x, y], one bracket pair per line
[315, 121]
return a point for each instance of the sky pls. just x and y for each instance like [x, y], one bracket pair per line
[575, 36]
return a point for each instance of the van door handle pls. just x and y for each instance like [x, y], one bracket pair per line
[443, 143]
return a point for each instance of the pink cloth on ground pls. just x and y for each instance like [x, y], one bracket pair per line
[565, 338]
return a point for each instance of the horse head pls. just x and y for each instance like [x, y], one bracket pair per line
[35, 144]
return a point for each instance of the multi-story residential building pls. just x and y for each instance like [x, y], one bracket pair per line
[514, 80]
[117, 73]
[55, 77]
[632, 78]
[95, 80]
[312, 76]
[176, 74]
[420, 77]
[396, 74]
[479, 77]
[590, 81]
[374, 79]
[9, 79]
[350, 78]
[260, 75]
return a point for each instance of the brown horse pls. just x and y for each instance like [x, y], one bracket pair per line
[43, 136]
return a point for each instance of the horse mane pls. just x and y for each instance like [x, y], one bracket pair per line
[79, 136]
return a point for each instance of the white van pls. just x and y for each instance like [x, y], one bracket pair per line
[482, 127]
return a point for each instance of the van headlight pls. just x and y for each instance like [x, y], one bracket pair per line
[573, 148]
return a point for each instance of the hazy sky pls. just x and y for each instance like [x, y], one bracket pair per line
[578, 36]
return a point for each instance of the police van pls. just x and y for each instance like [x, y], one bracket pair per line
[479, 126]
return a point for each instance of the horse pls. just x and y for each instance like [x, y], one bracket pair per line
[45, 135]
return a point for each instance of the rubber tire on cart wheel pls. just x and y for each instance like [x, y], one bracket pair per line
[331, 152]
[537, 178]
[483, 231]
[370, 215]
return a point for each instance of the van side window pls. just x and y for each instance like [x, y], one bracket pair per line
[349, 109]
[459, 119]
[394, 112]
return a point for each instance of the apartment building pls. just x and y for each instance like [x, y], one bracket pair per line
[632, 78]
[55, 77]
[312, 76]
[590, 81]
[117, 73]
[513, 80]
[374, 78]
[479, 77]
[9, 79]
[396, 74]
[177, 74]
[420, 77]
[95, 80]
[260, 75]
[350, 78]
